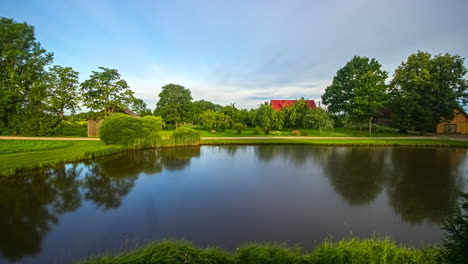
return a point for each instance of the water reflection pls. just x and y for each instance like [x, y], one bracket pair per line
[31, 203]
[332, 183]
[357, 174]
[424, 184]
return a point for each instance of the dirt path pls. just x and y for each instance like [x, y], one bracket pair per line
[47, 138]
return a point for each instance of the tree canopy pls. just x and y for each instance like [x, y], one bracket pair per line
[358, 89]
[427, 89]
[174, 104]
[22, 67]
[106, 91]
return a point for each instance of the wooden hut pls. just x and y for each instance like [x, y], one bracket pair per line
[458, 125]
[93, 127]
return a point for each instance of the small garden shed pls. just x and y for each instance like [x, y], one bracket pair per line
[458, 125]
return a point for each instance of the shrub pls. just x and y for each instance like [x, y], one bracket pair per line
[455, 244]
[151, 125]
[296, 133]
[186, 136]
[258, 130]
[120, 129]
[276, 133]
[239, 127]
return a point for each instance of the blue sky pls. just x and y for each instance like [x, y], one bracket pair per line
[243, 52]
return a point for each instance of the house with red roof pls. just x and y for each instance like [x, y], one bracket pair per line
[278, 104]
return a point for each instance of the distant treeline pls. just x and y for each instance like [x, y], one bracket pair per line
[35, 95]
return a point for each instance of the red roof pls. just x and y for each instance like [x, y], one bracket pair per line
[278, 104]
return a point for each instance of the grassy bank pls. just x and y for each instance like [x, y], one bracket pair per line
[21, 155]
[346, 251]
[338, 142]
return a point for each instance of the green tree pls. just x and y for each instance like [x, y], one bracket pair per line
[233, 113]
[208, 118]
[268, 118]
[105, 91]
[139, 106]
[22, 65]
[426, 90]
[319, 118]
[62, 91]
[174, 104]
[358, 90]
[198, 107]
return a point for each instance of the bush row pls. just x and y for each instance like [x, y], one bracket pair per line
[143, 132]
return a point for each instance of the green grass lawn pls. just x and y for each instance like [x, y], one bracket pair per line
[19, 155]
[17, 146]
[75, 132]
[334, 132]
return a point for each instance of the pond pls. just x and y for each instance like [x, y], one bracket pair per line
[227, 196]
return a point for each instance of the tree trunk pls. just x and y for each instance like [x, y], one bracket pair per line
[370, 125]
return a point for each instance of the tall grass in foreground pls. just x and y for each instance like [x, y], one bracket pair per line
[346, 251]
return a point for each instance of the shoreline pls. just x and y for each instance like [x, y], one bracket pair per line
[88, 149]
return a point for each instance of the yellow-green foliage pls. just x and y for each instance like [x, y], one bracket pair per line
[131, 131]
[120, 129]
[152, 124]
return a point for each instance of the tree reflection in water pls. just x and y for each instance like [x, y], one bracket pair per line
[32, 202]
[419, 192]
[357, 174]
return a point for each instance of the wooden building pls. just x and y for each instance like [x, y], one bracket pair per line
[458, 125]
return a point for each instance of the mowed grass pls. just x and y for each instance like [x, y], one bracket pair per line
[346, 251]
[334, 132]
[16, 146]
[21, 155]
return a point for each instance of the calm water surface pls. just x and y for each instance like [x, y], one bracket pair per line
[227, 196]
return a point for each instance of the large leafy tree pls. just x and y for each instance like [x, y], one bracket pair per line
[62, 91]
[105, 91]
[174, 104]
[22, 66]
[139, 106]
[358, 89]
[426, 90]
[199, 107]
[268, 118]
[318, 118]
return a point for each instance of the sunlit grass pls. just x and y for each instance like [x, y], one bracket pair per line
[21, 155]
[346, 251]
